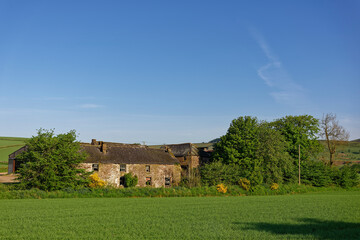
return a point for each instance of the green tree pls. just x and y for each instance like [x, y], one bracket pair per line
[278, 165]
[50, 162]
[239, 146]
[299, 130]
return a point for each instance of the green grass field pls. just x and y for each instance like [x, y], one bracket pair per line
[330, 215]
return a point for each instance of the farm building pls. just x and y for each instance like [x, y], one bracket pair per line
[12, 164]
[186, 153]
[153, 167]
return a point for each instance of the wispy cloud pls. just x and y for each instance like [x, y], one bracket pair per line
[283, 88]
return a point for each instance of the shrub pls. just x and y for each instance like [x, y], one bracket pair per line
[244, 184]
[221, 188]
[316, 173]
[216, 172]
[130, 180]
[274, 186]
[96, 182]
[347, 177]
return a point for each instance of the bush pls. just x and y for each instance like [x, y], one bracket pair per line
[316, 173]
[216, 172]
[274, 186]
[130, 180]
[221, 188]
[346, 177]
[96, 182]
[244, 184]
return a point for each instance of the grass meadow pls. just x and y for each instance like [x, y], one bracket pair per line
[325, 215]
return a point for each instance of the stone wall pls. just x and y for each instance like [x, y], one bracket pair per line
[111, 173]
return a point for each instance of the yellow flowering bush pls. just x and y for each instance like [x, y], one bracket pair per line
[245, 184]
[221, 188]
[274, 186]
[96, 182]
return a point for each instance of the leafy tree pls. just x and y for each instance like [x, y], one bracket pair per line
[50, 162]
[299, 130]
[277, 165]
[239, 146]
[334, 133]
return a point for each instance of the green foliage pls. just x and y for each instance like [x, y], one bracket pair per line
[257, 149]
[277, 165]
[9, 192]
[130, 180]
[217, 172]
[50, 162]
[346, 177]
[299, 130]
[316, 173]
[239, 147]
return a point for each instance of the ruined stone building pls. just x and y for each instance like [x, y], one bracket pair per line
[186, 153]
[153, 167]
[13, 165]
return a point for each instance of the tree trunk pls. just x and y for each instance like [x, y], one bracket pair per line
[331, 158]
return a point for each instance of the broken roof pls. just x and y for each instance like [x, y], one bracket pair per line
[183, 149]
[128, 154]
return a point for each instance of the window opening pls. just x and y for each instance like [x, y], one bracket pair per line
[167, 181]
[95, 167]
[148, 181]
[122, 167]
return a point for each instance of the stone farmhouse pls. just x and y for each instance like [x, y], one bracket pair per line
[153, 167]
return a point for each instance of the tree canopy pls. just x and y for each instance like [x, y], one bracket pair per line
[51, 162]
[299, 130]
[267, 152]
[258, 150]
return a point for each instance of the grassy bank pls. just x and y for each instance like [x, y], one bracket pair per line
[7, 192]
[328, 215]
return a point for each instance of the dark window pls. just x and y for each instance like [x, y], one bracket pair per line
[122, 167]
[167, 181]
[122, 181]
[147, 167]
[95, 167]
[148, 181]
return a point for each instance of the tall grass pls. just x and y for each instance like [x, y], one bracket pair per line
[10, 192]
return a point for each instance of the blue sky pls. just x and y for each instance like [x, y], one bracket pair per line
[174, 71]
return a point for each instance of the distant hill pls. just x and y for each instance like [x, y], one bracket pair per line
[356, 140]
[216, 140]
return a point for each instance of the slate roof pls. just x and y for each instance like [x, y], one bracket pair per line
[128, 154]
[183, 149]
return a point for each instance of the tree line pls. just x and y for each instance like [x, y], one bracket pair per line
[268, 152]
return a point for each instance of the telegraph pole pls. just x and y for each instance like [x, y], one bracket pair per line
[299, 166]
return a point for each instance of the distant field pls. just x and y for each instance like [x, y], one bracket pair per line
[330, 215]
[346, 152]
[7, 146]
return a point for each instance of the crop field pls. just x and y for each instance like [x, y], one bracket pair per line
[330, 215]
